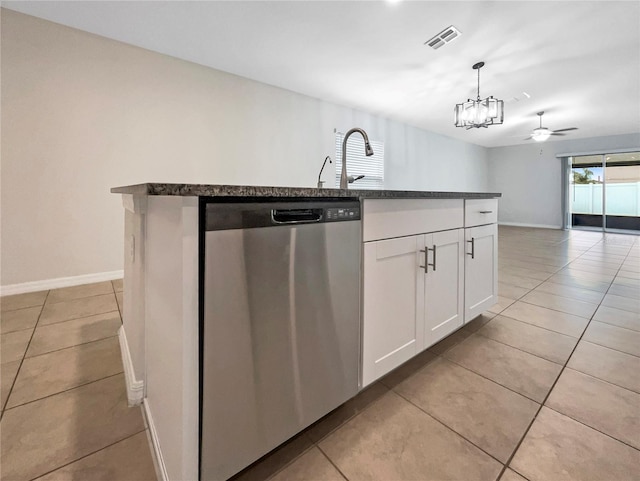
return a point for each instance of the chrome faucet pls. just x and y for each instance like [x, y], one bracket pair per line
[344, 179]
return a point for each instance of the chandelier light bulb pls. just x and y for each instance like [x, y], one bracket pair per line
[481, 113]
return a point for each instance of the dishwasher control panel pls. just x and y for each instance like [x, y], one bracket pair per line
[278, 213]
[342, 213]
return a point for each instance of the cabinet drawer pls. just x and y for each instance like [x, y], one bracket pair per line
[480, 212]
[387, 218]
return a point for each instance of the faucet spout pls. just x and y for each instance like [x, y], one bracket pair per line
[321, 182]
[344, 178]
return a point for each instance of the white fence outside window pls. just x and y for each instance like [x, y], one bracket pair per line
[622, 199]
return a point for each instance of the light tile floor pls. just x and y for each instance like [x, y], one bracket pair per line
[544, 386]
[64, 405]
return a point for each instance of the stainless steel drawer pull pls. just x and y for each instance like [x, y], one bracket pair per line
[473, 250]
[425, 266]
[434, 257]
[486, 212]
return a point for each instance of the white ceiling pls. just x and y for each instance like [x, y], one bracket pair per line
[579, 61]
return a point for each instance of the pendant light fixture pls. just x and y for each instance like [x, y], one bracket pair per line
[479, 113]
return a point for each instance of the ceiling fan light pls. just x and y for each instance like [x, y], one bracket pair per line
[541, 134]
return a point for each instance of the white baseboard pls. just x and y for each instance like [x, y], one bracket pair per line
[155, 443]
[135, 388]
[47, 284]
[535, 226]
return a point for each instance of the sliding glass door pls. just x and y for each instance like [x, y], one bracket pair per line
[586, 189]
[604, 191]
[622, 191]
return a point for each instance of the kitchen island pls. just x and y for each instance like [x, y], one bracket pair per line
[428, 263]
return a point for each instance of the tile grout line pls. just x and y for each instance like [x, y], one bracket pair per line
[115, 293]
[21, 308]
[519, 349]
[71, 347]
[508, 463]
[84, 316]
[560, 364]
[317, 443]
[485, 377]
[609, 347]
[448, 427]
[567, 296]
[75, 319]
[4, 406]
[618, 325]
[87, 455]
[536, 325]
[558, 310]
[526, 277]
[604, 381]
[81, 297]
[568, 335]
[331, 461]
[63, 391]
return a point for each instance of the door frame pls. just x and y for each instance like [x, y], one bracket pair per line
[565, 177]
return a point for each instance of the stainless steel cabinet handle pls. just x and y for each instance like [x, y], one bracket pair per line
[486, 212]
[473, 250]
[425, 266]
[434, 257]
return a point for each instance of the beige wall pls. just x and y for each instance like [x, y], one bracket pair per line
[82, 114]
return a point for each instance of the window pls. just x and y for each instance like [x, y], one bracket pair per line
[359, 164]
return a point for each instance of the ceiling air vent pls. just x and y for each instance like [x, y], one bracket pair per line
[443, 37]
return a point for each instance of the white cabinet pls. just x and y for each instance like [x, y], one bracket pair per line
[391, 334]
[480, 212]
[392, 218]
[443, 284]
[421, 282]
[409, 304]
[481, 270]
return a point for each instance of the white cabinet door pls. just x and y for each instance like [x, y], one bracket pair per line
[391, 334]
[443, 287]
[481, 270]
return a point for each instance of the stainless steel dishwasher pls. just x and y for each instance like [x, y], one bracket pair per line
[281, 325]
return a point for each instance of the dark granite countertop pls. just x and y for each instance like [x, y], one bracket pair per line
[208, 190]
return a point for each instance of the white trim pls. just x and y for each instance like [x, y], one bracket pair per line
[47, 284]
[598, 152]
[536, 226]
[155, 442]
[135, 388]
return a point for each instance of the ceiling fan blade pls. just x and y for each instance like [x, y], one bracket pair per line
[565, 130]
[556, 133]
[528, 138]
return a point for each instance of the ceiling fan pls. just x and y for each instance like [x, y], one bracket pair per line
[542, 133]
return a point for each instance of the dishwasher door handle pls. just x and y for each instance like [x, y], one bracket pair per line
[296, 216]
